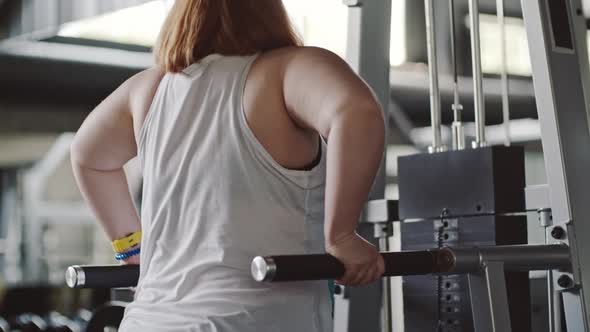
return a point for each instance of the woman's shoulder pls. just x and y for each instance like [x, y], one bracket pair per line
[142, 87]
[301, 60]
[288, 55]
[145, 79]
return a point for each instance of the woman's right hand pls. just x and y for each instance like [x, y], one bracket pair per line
[363, 262]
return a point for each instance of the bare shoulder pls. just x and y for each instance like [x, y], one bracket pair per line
[295, 65]
[142, 88]
[145, 81]
[306, 56]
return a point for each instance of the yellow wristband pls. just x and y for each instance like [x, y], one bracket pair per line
[124, 244]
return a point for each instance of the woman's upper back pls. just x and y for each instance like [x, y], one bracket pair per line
[220, 147]
[290, 96]
[292, 145]
[207, 161]
[214, 197]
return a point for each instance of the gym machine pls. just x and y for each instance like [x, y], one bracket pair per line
[492, 191]
[468, 204]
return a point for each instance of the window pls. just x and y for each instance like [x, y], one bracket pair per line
[518, 61]
[320, 23]
[137, 25]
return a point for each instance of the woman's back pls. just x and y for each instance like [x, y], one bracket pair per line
[227, 147]
[216, 195]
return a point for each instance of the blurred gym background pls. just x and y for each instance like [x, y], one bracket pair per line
[60, 58]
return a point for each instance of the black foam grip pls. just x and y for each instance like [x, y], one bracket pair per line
[110, 276]
[320, 267]
[307, 267]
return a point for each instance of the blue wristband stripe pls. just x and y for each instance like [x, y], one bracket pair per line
[128, 254]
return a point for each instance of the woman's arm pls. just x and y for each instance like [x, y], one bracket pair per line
[323, 94]
[104, 143]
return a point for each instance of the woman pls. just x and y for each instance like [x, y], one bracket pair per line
[230, 129]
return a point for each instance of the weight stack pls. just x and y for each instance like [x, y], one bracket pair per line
[461, 199]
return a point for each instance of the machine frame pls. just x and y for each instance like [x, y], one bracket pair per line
[556, 31]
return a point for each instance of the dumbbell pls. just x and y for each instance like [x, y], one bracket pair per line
[4, 326]
[108, 315]
[82, 318]
[29, 323]
[60, 323]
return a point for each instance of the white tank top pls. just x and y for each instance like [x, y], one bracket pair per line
[213, 199]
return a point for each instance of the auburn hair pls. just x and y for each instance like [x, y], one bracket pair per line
[197, 28]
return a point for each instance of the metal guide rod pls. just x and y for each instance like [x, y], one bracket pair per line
[504, 72]
[457, 126]
[478, 97]
[435, 117]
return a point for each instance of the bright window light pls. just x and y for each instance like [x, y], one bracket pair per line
[320, 23]
[137, 25]
[518, 60]
[325, 24]
[398, 54]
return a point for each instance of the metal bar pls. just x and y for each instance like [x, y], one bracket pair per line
[433, 261]
[314, 267]
[108, 276]
[480, 305]
[453, 46]
[387, 324]
[324, 266]
[555, 304]
[545, 221]
[435, 116]
[489, 299]
[574, 315]
[514, 257]
[504, 72]
[498, 297]
[557, 37]
[368, 45]
[479, 106]
[458, 133]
